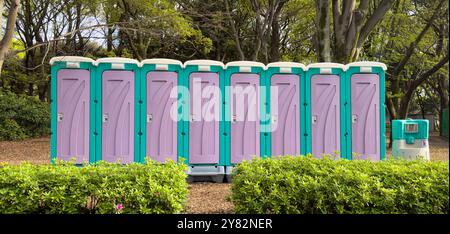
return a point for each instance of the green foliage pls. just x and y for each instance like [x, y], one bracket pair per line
[102, 189]
[23, 116]
[304, 185]
[10, 130]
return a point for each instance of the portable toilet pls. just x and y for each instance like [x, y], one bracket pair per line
[284, 88]
[159, 82]
[72, 115]
[325, 114]
[365, 94]
[244, 109]
[410, 139]
[117, 115]
[202, 138]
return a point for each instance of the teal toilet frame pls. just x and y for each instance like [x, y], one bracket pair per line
[202, 169]
[105, 65]
[149, 66]
[71, 62]
[370, 68]
[331, 69]
[283, 68]
[230, 69]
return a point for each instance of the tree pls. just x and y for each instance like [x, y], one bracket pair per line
[352, 25]
[6, 40]
[415, 58]
[402, 89]
[155, 28]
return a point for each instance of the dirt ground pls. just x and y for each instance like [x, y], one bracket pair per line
[209, 198]
[203, 197]
[36, 150]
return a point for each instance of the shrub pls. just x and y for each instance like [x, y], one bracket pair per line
[103, 188]
[10, 130]
[23, 116]
[304, 185]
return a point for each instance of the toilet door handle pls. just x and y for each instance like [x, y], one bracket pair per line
[60, 117]
[354, 118]
[314, 119]
[149, 118]
[105, 117]
[233, 118]
[274, 118]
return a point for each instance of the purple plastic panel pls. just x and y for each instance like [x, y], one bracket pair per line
[73, 115]
[161, 129]
[204, 123]
[365, 105]
[244, 108]
[325, 115]
[285, 112]
[118, 116]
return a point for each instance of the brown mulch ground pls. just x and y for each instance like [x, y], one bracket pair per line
[203, 197]
[36, 150]
[209, 198]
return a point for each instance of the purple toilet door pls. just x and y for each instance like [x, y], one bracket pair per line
[204, 118]
[73, 114]
[118, 116]
[161, 129]
[325, 115]
[365, 104]
[245, 127]
[285, 112]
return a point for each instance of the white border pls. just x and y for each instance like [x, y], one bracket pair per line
[245, 64]
[71, 59]
[161, 61]
[287, 64]
[204, 62]
[367, 64]
[116, 60]
[326, 65]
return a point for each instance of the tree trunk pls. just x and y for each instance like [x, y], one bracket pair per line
[275, 36]
[234, 31]
[77, 27]
[109, 35]
[351, 28]
[323, 30]
[275, 42]
[5, 43]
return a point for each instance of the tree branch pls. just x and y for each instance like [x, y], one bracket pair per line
[9, 30]
[430, 72]
[235, 33]
[379, 13]
[413, 45]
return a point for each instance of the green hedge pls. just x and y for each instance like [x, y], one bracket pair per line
[22, 117]
[102, 189]
[304, 185]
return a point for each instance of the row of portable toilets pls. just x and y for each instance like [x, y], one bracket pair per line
[119, 109]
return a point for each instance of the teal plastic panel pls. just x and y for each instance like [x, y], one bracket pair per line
[146, 68]
[227, 113]
[102, 67]
[348, 74]
[307, 110]
[55, 68]
[184, 135]
[410, 128]
[269, 73]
